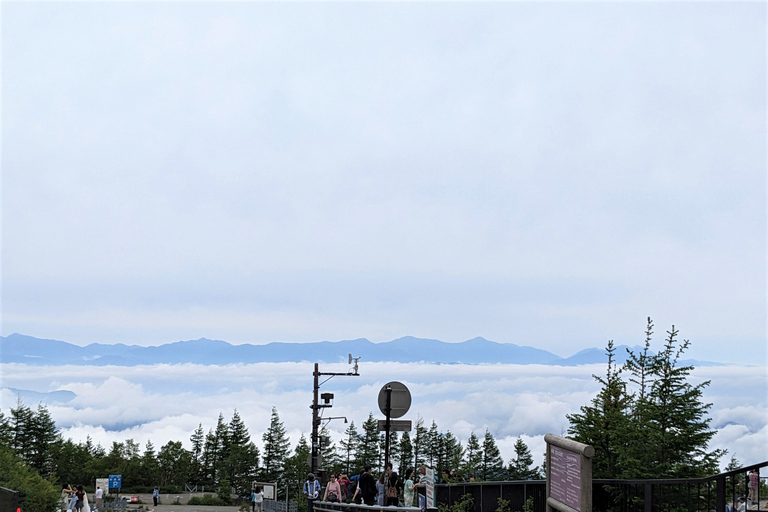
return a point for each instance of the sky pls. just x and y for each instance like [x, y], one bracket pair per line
[547, 174]
[162, 403]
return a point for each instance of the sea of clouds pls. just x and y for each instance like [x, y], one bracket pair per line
[167, 402]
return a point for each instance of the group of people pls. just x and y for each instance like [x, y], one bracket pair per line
[388, 490]
[77, 499]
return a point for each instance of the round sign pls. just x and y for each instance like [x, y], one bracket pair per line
[399, 401]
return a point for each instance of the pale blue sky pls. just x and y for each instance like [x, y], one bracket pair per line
[547, 174]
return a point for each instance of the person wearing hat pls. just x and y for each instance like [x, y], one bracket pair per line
[311, 491]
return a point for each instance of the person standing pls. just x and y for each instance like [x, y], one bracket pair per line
[754, 482]
[155, 495]
[381, 489]
[99, 498]
[409, 488]
[80, 495]
[367, 486]
[311, 491]
[393, 489]
[332, 490]
[257, 497]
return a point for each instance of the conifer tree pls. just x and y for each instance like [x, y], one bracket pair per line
[675, 419]
[149, 466]
[349, 446]
[521, 465]
[605, 424]
[368, 449]
[473, 457]
[276, 449]
[296, 469]
[332, 462]
[659, 431]
[404, 452]
[420, 443]
[453, 452]
[196, 455]
[492, 467]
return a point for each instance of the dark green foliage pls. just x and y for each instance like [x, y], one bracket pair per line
[368, 448]
[606, 424]
[473, 458]
[404, 452]
[492, 465]
[349, 446]
[465, 504]
[36, 494]
[660, 429]
[296, 469]
[521, 465]
[276, 450]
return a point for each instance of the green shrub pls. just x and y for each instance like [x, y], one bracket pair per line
[207, 499]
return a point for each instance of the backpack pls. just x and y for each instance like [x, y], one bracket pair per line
[392, 491]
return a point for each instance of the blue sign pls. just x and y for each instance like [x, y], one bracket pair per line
[115, 481]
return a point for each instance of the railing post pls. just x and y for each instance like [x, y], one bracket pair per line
[720, 495]
[648, 497]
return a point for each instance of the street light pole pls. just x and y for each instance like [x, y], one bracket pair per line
[316, 406]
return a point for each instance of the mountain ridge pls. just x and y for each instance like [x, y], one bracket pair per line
[20, 348]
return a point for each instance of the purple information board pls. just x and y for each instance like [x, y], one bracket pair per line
[565, 477]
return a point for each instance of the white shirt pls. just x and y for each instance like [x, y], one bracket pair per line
[99, 493]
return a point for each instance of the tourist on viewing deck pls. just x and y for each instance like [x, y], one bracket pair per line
[409, 488]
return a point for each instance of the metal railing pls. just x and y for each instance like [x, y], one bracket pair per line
[708, 494]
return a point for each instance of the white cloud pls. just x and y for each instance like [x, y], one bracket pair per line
[168, 402]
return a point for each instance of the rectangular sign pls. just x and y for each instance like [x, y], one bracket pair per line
[115, 481]
[395, 425]
[430, 488]
[565, 476]
[104, 484]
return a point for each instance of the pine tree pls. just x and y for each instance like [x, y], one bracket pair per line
[473, 457]
[492, 467]
[453, 452]
[419, 443]
[676, 419]
[660, 431]
[433, 446]
[606, 425]
[296, 469]
[210, 459]
[521, 465]
[242, 460]
[405, 452]
[368, 449]
[276, 449]
[332, 462]
[43, 435]
[196, 455]
[349, 446]
[149, 466]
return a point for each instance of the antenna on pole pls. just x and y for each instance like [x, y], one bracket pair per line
[356, 360]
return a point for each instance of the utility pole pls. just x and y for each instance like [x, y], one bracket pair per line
[316, 406]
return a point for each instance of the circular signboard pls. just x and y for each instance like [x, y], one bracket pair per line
[399, 402]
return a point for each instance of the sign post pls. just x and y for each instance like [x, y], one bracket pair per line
[394, 402]
[569, 475]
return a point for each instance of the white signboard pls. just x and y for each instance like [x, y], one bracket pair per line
[430, 488]
[104, 484]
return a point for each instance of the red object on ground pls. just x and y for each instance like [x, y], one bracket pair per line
[134, 499]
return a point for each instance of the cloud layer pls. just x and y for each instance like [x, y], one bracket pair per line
[167, 402]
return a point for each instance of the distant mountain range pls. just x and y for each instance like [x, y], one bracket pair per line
[18, 348]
